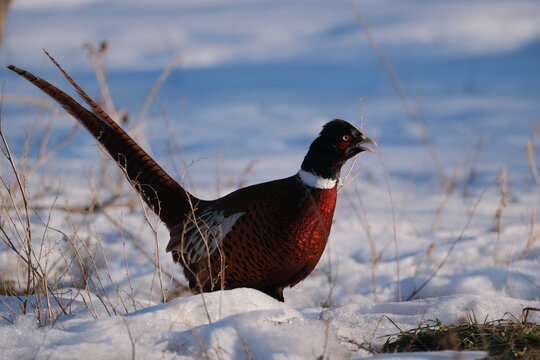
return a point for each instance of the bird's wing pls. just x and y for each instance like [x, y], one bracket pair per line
[200, 236]
[208, 225]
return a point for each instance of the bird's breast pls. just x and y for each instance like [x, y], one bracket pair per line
[305, 236]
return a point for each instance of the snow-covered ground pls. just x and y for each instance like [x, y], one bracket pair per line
[256, 82]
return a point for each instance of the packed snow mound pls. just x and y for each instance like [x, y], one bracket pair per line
[235, 324]
[244, 324]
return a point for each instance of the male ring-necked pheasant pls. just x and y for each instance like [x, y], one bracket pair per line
[266, 236]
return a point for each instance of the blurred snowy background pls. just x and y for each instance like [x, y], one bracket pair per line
[255, 82]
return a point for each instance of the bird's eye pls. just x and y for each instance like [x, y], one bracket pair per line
[345, 138]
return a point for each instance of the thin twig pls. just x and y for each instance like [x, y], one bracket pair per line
[28, 232]
[96, 56]
[532, 164]
[498, 220]
[131, 338]
[441, 264]
[394, 225]
[155, 88]
[399, 91]
[46, 156]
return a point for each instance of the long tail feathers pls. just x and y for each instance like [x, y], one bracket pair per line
[161, 192]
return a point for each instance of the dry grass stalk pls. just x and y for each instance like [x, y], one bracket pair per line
[331, 277]
[532, 164]
[16, 233]
[471, 175]
[96, 56]
[27, 247]
[526, 312]
[176, 149]
[153, 226]
[44, 153]
[155, 88]
[399, 91]
[461, 162]
[40, 103]
[374, 257]
[131, 338]
[458, 239]
[4, 10]
[136, 240]
[509, 272]
[363, 218]
[21, 185]
[447, 194]
[502, 181]
[532, 140]
[533, 235]
[85, 256]
[248, 170]
[87, 264]
[345, 180]
[218, 172]
[37, 291]
[394, 223]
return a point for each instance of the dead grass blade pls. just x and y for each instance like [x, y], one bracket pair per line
[441, 264]
[399, 91]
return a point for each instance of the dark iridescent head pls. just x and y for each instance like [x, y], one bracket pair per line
[337, 142]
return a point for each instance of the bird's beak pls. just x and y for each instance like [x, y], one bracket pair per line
[366, 140]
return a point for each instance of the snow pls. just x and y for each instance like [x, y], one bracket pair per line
[225, 324]
[257, 81]
[253, 31]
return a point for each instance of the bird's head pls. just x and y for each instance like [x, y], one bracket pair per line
[337, 142]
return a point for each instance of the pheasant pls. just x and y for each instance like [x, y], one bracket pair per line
[267, 236]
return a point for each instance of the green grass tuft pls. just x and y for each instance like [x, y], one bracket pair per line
[501, 339]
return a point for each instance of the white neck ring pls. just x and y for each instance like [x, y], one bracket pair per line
[316, 181]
